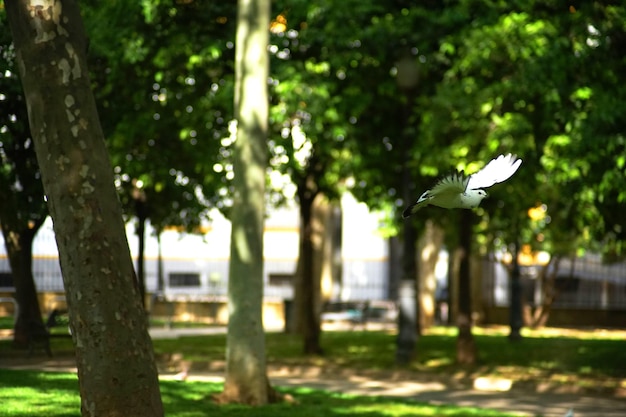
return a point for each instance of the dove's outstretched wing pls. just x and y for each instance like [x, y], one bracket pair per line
[497, 170]
[453, 184]
[448, 187]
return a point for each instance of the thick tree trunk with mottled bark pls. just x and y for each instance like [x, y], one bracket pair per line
[116, 368]
[246, 379]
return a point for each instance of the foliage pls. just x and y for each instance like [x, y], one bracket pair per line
[27, 393]
[520, 79]
[24, 209]
[334, 86]
[533, 78]
[165, 101]
[20, 182]
[536, 78]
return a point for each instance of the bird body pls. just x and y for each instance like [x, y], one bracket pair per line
[460, 191]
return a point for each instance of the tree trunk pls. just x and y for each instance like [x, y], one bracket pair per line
[116, 368]
[430, 245]
[408, 307]
[408, 317]
[307, 297]
[140, 212]
[246, 379]
[465, 347]
[19, 246]
[516, 320]
[327, 250]
[548, 294]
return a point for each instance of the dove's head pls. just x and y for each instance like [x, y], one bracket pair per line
[474, 197]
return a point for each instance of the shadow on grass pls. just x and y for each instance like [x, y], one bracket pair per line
[61, 345]
[31, 393]
[193, 399]
[435, 352]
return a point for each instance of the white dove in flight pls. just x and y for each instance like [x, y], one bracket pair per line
[459, 191]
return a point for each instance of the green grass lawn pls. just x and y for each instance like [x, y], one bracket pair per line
[6, 322]
[583, 358]
[590, 360]
[32, 393]
[579, 360]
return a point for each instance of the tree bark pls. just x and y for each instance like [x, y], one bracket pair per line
[516, 319]
[465, 347]
[540, 316]
[246, 378]
[408, 314]
[141, 213]
[116, 368]
[429, 246]
[308, 300]
[408, 307]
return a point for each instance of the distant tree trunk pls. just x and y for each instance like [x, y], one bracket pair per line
[516, 320]
[142, 216]
[465, 346]
[19, 247]
[327, 249]
[246, 378]
[408, 306]
[307, 297]
[541, 314]
[408, 315]
[430, 244]
[116, 368]
[160, 277]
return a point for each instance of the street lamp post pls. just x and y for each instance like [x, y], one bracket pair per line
[407, 78]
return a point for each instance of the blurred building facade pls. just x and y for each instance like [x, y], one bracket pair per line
[193, 269]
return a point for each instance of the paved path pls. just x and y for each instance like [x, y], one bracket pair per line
[528, 403]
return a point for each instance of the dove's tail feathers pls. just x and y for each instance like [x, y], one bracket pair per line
[413, 208]
[410, 210]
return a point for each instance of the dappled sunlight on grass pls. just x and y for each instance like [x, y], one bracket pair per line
[409, 410]
[32, 393]
[577, 360]
[436, 352]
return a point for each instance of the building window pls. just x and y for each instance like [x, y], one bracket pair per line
[281, 280]
[184, 279]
